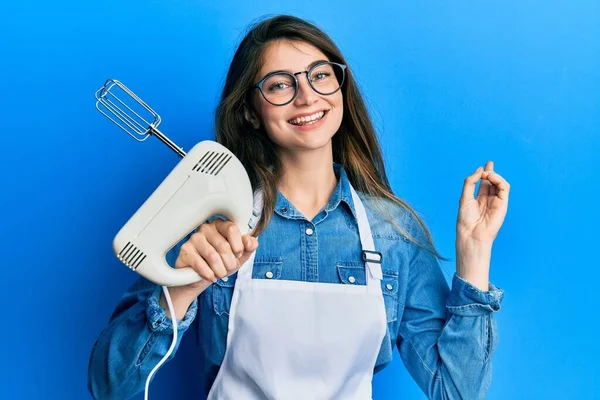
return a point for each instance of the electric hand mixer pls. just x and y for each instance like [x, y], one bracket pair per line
[208, 181]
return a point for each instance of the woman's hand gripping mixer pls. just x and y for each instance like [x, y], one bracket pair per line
[209, 180]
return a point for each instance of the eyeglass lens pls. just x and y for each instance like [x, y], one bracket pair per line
[324, 79]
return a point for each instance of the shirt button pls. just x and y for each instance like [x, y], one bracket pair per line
[351, 279]
[225, 279]
[309, 231]
[269, 274]
[284, 210]
[389, 287]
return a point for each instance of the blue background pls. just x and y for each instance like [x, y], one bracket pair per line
[450, 85]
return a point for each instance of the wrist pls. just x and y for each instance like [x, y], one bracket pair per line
[473, 262]
[181, 297]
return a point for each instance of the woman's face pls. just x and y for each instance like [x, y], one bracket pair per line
[280, 122]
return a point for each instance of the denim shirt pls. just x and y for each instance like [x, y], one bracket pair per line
[445, 336]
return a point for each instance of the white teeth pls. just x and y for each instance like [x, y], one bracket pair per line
[309, 119]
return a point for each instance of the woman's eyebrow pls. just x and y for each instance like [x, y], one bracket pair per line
[312, 64]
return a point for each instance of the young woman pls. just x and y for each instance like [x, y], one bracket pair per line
[345, 270]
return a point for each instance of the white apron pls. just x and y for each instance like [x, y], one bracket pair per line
[303, 340]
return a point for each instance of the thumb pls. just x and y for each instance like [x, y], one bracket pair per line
[250, 244]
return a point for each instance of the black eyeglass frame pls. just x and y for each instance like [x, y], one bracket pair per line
[294, 75]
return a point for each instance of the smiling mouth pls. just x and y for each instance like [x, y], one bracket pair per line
[308, 120]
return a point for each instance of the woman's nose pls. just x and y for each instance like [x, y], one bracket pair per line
[306, 94]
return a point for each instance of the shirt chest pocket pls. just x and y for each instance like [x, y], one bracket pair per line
[222, 290]
[354, 274]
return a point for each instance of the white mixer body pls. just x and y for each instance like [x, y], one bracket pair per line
[208, 181]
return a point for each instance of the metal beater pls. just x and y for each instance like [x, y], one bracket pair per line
[109, 101]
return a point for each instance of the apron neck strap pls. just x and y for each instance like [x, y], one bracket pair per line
[372, 265]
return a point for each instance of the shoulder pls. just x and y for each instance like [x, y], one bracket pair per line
[381, 210]
[408, 228]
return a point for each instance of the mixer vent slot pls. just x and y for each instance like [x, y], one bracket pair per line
[131, 256]
[212, 162]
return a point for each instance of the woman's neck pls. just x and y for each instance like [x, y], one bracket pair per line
[308, 182]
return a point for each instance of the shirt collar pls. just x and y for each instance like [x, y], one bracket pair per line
[341, 193]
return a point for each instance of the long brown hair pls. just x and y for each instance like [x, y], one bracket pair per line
[355, 144]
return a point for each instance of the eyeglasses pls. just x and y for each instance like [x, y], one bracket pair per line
[281, 88]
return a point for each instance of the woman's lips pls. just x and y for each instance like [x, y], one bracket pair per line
[311, 126]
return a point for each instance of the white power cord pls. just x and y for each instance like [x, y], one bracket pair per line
[174, 320]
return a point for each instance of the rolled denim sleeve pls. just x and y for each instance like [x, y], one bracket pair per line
[467, 300]
[447, 336]
[137, 336]
[159, 322]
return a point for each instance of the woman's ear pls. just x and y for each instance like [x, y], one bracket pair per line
[251, 117]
